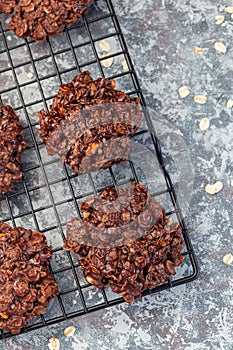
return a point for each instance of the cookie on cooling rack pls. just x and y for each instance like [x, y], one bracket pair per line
[11, 147]
[89, 123]
[26, 286]
[132, 248]
[38, 18]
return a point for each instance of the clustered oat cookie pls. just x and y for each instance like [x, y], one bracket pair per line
[89, 123]
[11, 147]
[149, 260]
[38, 18]
[26, 286]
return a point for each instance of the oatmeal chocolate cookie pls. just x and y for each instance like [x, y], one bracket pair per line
[26, 286]
[11, 147]
[38, 18]
[115, 219]
[83, 120]
[132, 265]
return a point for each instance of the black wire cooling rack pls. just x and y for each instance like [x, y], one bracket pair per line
[50, 194]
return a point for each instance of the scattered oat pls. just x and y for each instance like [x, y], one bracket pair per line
[125, 65]
[198, 50]
[104, 46]
[230, 103]
[108, 62]
[170, 221]
[204, 124]
[8, 37]
[54, 344]
[69, 331]
[228, 259]
[220, 47]
[229, 9]
[219, 19]
[232, 183]
[232, 15]
[215, 188]
[183, 91]
[201, 99]
[30, 75]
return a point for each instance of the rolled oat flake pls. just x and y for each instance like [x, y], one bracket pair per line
[201, 99]
[104, 46]
[228, 259]
[69, 331]
[219, 19]
[107, 62]
[204, 124]
[220, 47]
[215, 188]
[54, 344]
[229, 9]
[183, 91]
[230, 103]
[198, 50]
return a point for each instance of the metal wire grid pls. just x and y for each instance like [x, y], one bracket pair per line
[50, 190]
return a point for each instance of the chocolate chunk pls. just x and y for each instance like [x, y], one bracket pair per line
[11, 147]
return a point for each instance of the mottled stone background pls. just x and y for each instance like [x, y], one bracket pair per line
[161, 35]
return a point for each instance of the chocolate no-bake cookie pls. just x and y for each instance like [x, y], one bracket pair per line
[89, 123]
[38, 18]
[125, 241]
[26, 286]
[11, 147]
